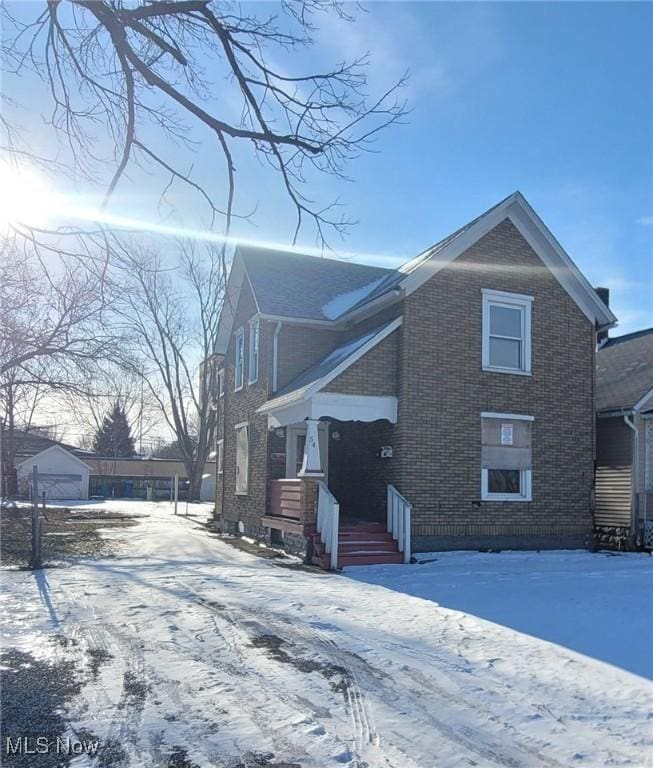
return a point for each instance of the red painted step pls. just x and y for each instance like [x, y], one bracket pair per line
[370, 558]
[367, 546]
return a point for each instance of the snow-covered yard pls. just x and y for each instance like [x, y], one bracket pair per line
[196, 653]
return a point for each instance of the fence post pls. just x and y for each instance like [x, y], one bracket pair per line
[176, 492]
[36, 522]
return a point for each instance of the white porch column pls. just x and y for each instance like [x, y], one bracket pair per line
[312, 464]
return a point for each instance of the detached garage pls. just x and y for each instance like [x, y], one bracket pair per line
[61, 475]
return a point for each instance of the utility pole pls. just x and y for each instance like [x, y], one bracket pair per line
[35, 561]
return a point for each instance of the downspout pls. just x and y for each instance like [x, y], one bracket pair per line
[275, 356]
[635, 474]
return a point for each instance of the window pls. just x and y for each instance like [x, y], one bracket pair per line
[506, 332]
[253, 351]
[220, 456]
[239, 359]
[506, 457]
[242, 458]
[220, 382]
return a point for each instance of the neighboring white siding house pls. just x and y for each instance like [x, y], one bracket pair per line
[61, 474]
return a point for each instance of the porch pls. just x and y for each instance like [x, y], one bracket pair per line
[336, 493]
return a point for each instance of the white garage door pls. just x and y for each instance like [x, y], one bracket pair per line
[60, 486]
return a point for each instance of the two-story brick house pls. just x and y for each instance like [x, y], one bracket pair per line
[446, 404]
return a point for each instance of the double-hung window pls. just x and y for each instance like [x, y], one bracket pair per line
[506, 332]
[253, 351]
[242, 458]
[506, 457]
[239, 359]
[220, 456]
[220, 382]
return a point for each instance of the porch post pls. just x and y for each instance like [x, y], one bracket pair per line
[312, 465]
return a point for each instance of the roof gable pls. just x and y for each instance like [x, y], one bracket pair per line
[624, 372]
[537, 235]
[53, 449]
[330, 367]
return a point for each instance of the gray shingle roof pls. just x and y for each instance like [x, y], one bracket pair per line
[31, 443]
[624, 371]
[310, 287]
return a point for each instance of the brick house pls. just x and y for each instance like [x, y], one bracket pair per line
[446, 404]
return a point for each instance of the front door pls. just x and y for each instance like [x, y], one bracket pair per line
[295, 441]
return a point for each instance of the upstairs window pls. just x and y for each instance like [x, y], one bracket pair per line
[239, 359]
[506, 332]
[219, 458]
[253, 351]
[220, 382]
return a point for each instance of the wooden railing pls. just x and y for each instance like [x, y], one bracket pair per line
[328, 522]
[399, 511]
[286, 498]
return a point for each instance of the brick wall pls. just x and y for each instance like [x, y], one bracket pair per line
[357, 475]
[443, 390]
[300, 347]
[239, 407]
[374, 374]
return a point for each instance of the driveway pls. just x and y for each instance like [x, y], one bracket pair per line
[180, 650]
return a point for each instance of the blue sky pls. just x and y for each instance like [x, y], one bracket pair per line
[553, 99]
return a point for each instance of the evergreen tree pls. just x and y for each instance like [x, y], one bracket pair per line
[114, 438]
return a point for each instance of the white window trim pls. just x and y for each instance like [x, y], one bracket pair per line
[242, 425]
[240, 333]
[517, 416]
[525, 482]
[514, 300]
[219, 459]
[252, 325]
[220, 382]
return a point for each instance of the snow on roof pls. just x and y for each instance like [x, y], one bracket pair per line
[345, 301]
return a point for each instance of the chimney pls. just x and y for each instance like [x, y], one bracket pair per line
[604, 295]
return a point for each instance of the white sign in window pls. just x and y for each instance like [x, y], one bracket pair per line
[506, 434]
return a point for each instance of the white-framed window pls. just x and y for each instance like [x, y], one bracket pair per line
[506, 332]
[219, 459]
[242, 458]
[506, 485]
[220, 382]
[239, 359]
[506, 457]
[253, 351]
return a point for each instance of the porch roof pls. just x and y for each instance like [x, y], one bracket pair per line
[309, 383]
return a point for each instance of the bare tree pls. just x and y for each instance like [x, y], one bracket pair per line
[113, 382]
[142, 78]
[51, 311]
[170, 314]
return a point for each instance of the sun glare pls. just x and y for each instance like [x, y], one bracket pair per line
[25, 197]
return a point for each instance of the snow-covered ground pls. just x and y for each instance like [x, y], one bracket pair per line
[471, 660]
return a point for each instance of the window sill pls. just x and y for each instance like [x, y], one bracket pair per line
[253, 381]
[241, 493]
[240, 388]
[506, 497]
[514, 371]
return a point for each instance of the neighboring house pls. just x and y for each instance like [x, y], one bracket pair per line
[134, 477]
[447, 404]
[61, 474]
[624, 437]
